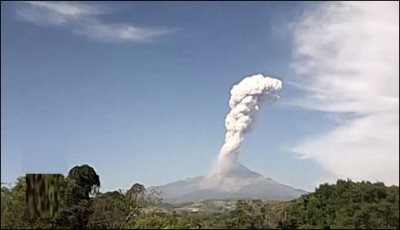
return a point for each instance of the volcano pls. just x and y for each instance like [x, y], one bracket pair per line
[237, 182]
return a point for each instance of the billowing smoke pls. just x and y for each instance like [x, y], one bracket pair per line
[244, 103]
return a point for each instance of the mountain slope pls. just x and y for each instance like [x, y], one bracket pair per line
[236, 183]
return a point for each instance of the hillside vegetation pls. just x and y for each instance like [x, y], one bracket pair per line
[345, 204]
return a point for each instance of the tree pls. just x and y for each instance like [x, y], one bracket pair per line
[108, 211]
[86, 181]
[13, 205]
[347, 204]
[77, 205]
[136, 200]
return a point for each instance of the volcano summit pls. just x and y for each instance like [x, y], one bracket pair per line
[230, 179]
[237, 183]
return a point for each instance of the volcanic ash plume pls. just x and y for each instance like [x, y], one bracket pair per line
[244, 104]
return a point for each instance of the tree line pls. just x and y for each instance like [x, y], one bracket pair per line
[77, 204]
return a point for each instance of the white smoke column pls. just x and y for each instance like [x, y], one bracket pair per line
[244, 104]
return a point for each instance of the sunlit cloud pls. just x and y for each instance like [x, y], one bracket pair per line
[346, 55]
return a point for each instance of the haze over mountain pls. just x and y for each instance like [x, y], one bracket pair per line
[236, 183]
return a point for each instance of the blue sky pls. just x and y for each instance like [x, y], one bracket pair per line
[140, 91]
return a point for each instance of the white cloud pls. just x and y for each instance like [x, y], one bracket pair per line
[70, 8]
[82, 18]
[347, 57]
[121, 32]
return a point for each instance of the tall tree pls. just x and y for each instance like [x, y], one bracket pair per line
[86, 181]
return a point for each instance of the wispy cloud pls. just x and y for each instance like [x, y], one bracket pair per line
[70, 8]
[347, 57]
[83, 19]
[121, 32]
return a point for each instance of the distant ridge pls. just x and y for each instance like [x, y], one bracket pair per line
[236, 183]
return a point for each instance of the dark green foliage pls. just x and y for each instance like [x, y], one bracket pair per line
[86, 180]
[80, 183]
[345, 204]
[108, 211]
[13, 206]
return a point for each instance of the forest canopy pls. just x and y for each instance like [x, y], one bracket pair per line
[345, 204]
